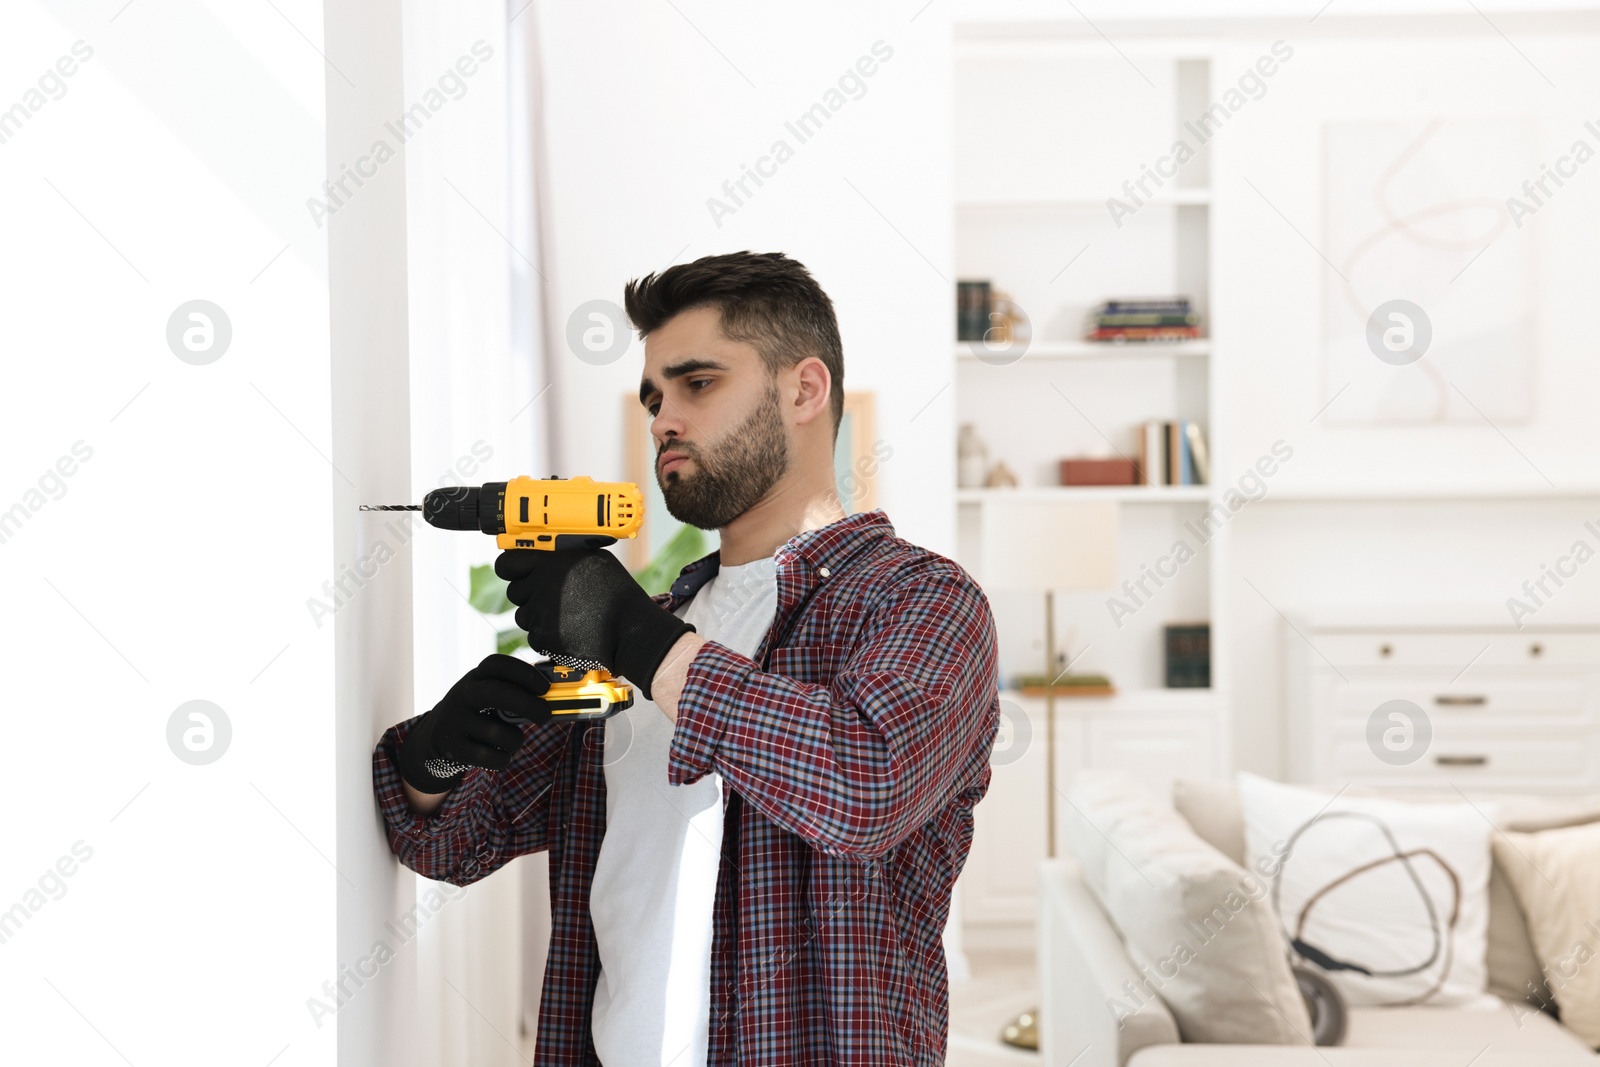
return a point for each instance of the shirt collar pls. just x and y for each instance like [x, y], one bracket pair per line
[824, 549]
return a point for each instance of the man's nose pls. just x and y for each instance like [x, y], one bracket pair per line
[667, 424]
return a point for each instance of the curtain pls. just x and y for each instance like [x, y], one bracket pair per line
[477, 416]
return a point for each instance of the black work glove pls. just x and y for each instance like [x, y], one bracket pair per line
[582, 603]
[473, 725]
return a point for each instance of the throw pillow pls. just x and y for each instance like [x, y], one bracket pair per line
[1555, 875]
[1196, 924]
[1390, 898]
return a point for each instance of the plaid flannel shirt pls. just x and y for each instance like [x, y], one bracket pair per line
[852, 749]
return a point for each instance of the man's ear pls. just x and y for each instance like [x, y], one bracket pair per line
[813, 386]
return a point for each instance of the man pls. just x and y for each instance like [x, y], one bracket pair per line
[753, 864]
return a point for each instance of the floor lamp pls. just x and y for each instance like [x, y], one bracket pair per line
[1041, 546]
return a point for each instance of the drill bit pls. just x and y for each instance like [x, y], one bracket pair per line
[390, 507]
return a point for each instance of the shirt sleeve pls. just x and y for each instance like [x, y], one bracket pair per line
[855, 766]
[487, 820]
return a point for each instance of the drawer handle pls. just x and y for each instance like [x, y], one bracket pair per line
[1461, 761]
[1447, 700]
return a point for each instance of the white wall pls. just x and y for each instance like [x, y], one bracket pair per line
[178, 562]
[652, 107]
[371, 451]
[204, 507]
[1269, 316]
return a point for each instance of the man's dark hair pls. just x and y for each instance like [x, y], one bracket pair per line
[765, 299]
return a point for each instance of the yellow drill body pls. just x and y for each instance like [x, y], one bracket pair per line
[547, 513]
[550, 513]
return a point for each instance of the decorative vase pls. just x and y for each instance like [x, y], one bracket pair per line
[972, 458]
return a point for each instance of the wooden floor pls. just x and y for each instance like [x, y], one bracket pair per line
[1002, 984]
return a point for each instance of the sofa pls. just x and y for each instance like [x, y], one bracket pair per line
[1085, 966]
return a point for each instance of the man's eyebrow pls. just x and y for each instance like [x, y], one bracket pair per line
[678, 370]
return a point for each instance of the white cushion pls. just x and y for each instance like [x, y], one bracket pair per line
[1555, 876]
[1506, 1027]
[1375, 883]
[1211, 807]
[1195, 923]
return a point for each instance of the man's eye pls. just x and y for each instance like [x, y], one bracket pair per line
[653, 409]
[695, 383]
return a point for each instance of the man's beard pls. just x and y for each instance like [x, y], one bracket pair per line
[731, 475]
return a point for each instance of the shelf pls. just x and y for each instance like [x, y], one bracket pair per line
[1125, 494]
[1096, 349]
[1405, 494]
[1149, 701]
[1168, 197]
[1070, 692]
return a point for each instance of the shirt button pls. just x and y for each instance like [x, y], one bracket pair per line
[823, 571]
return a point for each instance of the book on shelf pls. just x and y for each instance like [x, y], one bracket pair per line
[1156, 319]
[1167, 304]
[1146, 318]
[1198, 453]
[1173, 453]
[1144, 333]
[972, 310]
[1188, 655]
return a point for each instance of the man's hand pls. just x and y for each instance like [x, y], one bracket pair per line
[463, 730]
[584, 603]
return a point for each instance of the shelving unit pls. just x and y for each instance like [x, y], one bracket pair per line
[1034, 221]
[1096, 350]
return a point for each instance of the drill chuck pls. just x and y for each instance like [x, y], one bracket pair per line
[467, 507]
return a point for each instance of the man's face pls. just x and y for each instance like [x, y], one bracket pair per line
[721, 442]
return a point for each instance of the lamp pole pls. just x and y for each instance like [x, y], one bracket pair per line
[1023, 1030]
[1050, 723]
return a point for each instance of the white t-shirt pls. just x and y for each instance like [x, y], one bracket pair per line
[656, 876]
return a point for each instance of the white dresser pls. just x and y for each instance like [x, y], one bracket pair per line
[1442, 699]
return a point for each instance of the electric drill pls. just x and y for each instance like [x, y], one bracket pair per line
[547, 514]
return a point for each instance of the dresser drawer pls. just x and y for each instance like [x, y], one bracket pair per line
[1476, 698]
[1453, 651]
[1470, 759]
[1503, 709]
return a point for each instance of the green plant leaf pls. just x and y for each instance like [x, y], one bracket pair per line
[510, 642]
[686, 546]
[488, 591]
